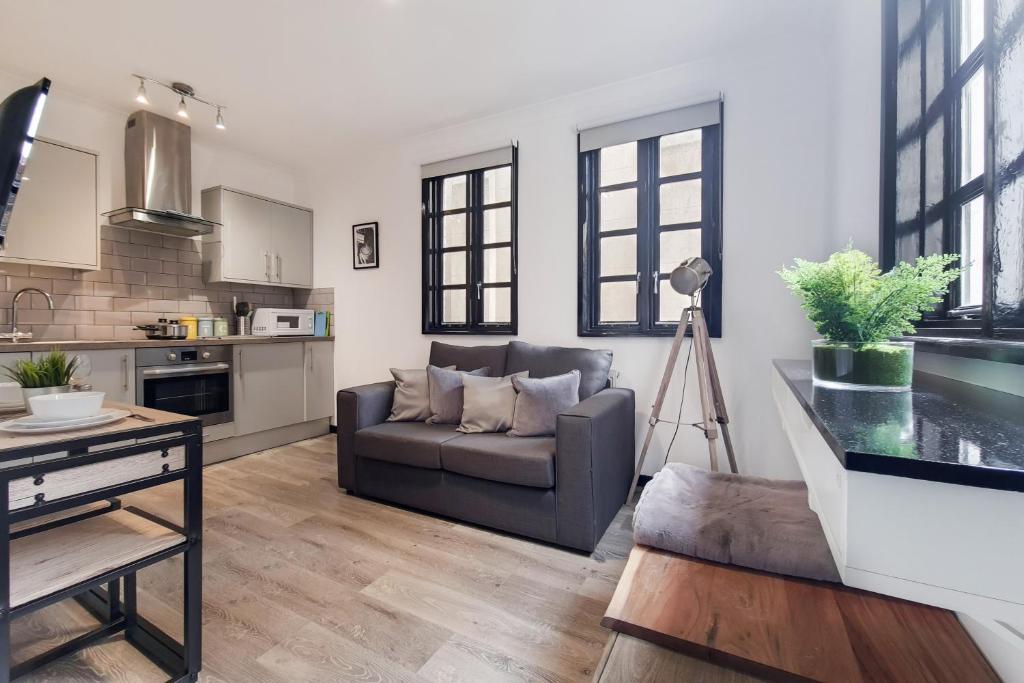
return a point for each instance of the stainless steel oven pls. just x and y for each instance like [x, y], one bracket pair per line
[189, 380]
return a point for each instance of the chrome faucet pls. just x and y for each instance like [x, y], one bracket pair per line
[15, 335]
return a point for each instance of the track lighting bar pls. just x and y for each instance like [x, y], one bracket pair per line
[184, 92]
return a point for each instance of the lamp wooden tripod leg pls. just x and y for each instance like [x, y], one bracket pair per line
[713, 413]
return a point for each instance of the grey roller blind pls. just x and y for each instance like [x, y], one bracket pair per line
[652, 125]
[469, 162]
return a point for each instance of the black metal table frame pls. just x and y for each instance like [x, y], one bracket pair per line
[116, 610]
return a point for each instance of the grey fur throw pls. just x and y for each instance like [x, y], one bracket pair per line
[746, 521]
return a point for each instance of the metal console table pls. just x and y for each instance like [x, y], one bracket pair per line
[64, 533]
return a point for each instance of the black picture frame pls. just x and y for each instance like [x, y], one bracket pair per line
[361, 234]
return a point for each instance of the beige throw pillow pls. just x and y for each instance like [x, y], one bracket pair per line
[488, 403]
[412, 395]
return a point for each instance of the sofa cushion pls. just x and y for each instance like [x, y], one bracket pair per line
[445, 388]
[469, 357]
[412, 396]
[544, 361]
[406, 443]
[525, 462]
[539, 402]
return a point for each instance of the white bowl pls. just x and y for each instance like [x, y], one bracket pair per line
[67, 406]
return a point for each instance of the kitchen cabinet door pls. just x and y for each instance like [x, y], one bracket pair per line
[292, 240]
[319, 380]
[246, 237]
[110, 371]
[55, 220]
[269, 386]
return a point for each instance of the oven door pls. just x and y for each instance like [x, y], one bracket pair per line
[201, 390]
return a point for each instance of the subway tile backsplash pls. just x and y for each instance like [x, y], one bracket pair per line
[143, 277]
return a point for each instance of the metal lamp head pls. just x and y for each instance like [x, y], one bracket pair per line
[691, 276]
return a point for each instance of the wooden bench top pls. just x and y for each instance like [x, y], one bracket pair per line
[784, 628]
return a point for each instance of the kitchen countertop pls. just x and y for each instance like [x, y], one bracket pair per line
[14, 347]
[942, 430]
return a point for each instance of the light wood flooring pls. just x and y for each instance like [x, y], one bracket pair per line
[305, 583]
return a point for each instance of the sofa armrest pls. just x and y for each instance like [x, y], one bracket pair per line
[358, 408]
[594, 460]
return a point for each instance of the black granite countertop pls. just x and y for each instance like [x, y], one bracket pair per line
[943, 430]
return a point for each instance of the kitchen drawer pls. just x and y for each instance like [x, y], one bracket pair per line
[84, 478]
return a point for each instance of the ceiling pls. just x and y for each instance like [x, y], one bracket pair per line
[306, 80]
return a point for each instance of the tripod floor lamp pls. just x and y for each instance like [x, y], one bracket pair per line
[689, 279]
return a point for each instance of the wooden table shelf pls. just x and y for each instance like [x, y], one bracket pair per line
[54, 560]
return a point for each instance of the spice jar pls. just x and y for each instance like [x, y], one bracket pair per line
[220, 327]
[205, 326]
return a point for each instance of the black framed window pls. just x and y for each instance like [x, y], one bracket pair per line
[469, 251]
[645, 206]
[949, 159]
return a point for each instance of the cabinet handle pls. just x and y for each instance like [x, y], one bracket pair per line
[266, 263]
[124, 371]
[278, 259]
[309, 352]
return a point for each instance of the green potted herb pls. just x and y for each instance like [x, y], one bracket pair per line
[51, 374]
[857, 309]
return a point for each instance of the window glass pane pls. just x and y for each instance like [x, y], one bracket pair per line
[453, 193]
[498, 265]
[453, 306]
[972, 26]
[498, 185]
[972, 128]
[680, 202]
[670, 303]
[972, 238]
[618, 164]
[454, 230]
[618, 302]
[679, 153]
[454, 268]
[498, 225]
[675, 246]
[497, 304]
[618, 255]
[618, 209]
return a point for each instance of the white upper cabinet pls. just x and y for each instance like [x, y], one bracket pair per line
[56, 220]
[260, 240]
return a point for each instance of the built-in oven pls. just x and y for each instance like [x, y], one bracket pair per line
[189, 380]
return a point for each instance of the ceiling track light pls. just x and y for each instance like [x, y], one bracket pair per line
[184, 92]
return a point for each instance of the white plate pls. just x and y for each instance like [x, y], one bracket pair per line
[37, 421]
[106, 417]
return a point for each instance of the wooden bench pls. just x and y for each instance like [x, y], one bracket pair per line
[780, 628]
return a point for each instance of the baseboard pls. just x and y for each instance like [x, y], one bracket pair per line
[233, 447]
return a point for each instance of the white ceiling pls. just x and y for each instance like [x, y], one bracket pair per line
[307, 79]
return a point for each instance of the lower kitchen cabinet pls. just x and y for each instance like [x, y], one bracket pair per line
[110, 371]
[319, 380]
[269, 386]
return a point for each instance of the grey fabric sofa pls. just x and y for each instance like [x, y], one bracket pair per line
[563, 489]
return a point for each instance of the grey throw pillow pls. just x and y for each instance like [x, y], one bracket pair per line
[488, 403]
[540, 400]
[446, 393]
[412, 397]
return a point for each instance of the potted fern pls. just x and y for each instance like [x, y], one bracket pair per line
[857, 309]
[51, 374]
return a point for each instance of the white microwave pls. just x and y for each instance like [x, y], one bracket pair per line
[282, 322]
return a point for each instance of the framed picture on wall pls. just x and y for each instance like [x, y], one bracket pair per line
[365, 246]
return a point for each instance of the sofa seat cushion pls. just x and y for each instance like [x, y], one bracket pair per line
[417, 444]
[527, 461]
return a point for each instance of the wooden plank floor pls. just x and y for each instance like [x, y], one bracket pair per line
[302, 582]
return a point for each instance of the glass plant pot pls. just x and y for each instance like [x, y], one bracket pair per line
[868, 366]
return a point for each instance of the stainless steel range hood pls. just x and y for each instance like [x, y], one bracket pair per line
[158, 178]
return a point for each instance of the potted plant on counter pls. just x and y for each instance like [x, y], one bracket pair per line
[51, 374]
[857, 309]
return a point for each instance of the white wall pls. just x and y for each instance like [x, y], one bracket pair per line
[77, 121]
[778, 129]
